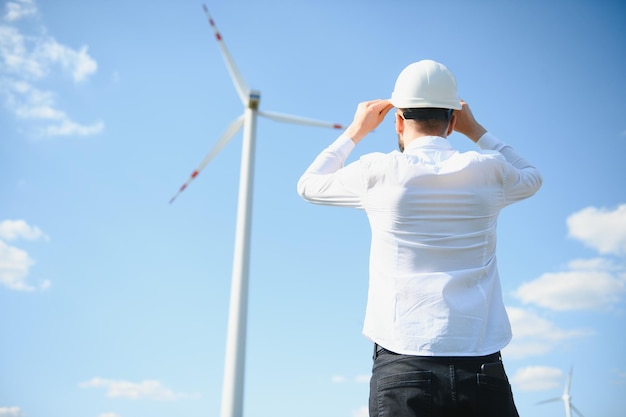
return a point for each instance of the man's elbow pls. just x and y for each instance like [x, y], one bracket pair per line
[534, 180]
[538, 180]
[301, 187]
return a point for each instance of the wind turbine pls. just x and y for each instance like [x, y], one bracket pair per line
[566, 398]
[232, 394]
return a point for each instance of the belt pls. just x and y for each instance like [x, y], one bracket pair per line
[378, 349]
[494, 357]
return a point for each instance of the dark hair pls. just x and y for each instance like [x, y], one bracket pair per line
[429, 119]
[427, 113]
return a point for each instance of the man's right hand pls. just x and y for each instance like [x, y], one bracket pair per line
[368, 116]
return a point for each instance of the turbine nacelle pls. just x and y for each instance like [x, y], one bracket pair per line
[254, 99]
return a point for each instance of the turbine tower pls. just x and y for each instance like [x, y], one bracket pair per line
[566, 398]
[232, 394]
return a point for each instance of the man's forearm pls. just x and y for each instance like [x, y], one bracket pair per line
[333, 157]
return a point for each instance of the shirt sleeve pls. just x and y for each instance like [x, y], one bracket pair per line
[328, 181]
[522, 179]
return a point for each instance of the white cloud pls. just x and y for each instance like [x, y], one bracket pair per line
[16, 58]
[363, 378]
[588, 285]
[361, 412]
[15, 263]
[33, 57]
[29, 102]
[16, 229]
[534, 335]
[338, 379]
[16, 10]
[109, 415]
[14, 266]
[149, 389]
[537, 378]
[600, 228]
[27, 59]
[68, 127]
[11, 412]
[77, 63]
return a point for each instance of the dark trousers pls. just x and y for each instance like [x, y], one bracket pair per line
[421, 386]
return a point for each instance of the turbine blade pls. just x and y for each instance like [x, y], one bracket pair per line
[551, 400]
[577, 410]
[287, 118]
[569, 382]
[228, 134]
[235, 75]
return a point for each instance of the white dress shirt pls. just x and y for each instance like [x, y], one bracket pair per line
[434, 288]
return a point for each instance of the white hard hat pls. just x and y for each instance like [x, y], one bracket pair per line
[426, 84]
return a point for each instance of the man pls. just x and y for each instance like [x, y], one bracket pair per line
[434, 311]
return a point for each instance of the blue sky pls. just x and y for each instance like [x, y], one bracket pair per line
[114, 303]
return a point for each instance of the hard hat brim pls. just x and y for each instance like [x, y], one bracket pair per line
[403, 103]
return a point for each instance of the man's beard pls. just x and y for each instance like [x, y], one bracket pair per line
[400, 143]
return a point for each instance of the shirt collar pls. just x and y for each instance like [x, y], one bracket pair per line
[431, 142]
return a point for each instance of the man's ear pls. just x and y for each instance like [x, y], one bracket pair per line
[451, 124]
[399, 124]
